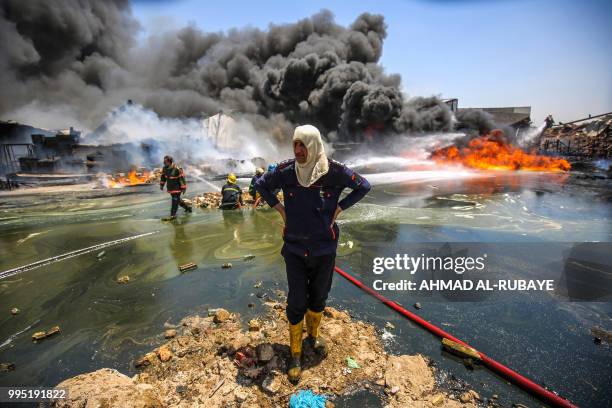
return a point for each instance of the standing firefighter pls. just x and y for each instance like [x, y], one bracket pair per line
[258, 173]
[231, 194]
[174, 179]
[312, 185]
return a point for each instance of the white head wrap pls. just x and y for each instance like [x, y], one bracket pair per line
[316, 162]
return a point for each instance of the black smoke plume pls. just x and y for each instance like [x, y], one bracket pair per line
[75, 60]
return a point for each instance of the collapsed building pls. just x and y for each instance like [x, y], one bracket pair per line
[587, 138]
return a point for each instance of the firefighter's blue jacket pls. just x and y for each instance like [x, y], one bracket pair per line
[309, 210]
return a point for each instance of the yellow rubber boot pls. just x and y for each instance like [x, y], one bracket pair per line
[295, 344]
[313, 324]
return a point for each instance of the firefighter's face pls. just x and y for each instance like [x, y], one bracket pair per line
[300, 151]
[166, 162]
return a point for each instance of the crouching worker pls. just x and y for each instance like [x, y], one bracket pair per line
[312, 185]
[173, 177]
[231, 194]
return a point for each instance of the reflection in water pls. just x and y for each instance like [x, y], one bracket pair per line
[107, 324]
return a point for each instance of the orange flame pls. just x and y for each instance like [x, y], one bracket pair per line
[493, 152]
[132, 179]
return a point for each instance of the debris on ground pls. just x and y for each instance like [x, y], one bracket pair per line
[258, 284]
[600, 334]
[226, 265]
[5, 367]
[254, 325]
[248, 257]
[213, 199]
[15, 311]
[390, 326]
[170, 334]
[123, 279]
[418, 306]
[221, 315]
[187, 267]
[44, 334]
[215, 362]
[351, 363]
[307, 399]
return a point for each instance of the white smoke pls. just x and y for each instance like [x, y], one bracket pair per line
[188, 140]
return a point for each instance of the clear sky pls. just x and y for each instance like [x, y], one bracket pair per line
[555, 56]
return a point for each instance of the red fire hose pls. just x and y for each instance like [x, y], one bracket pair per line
[499, 368]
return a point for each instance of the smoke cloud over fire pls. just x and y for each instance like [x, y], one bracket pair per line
[72, 61]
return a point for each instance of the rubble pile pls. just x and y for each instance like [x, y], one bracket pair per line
[591, 139]
[213, 200]
[219, 361]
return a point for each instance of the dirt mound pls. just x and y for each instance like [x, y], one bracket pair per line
[214, 362]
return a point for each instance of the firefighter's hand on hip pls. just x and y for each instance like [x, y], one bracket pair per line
[336, 213]
[281, 209]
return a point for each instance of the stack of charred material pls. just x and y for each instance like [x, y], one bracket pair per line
[590, 138]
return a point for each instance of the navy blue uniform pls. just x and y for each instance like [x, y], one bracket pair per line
[310, 239]
[231, 197]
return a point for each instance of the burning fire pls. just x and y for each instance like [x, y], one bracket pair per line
[133, 178]
[493, 152]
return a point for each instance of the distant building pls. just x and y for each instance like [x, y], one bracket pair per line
[16, 142]
[518, 117]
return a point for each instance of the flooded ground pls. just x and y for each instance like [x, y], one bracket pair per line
[535, 219]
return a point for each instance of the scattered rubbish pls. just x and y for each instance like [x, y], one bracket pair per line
[307, 399]
[347, 244]
[394, 390]
[101, 254]
[352, 364]
[123, 279]
[15, 311]
[387, 337]
[258, 284]
[187, 267]
[265, 352]
[600, 334]
[226, 265]
[516, 405]
[254, 325]
[249, 257]
[6, 367]
[221, 315]
[212, 311]
[170, 333]
[271, 384]
[251, 305]
[219, 384]
[468, 363]
[459, 349]
[43, 335]
[418, 306]
[244, 357]
[389, 325]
